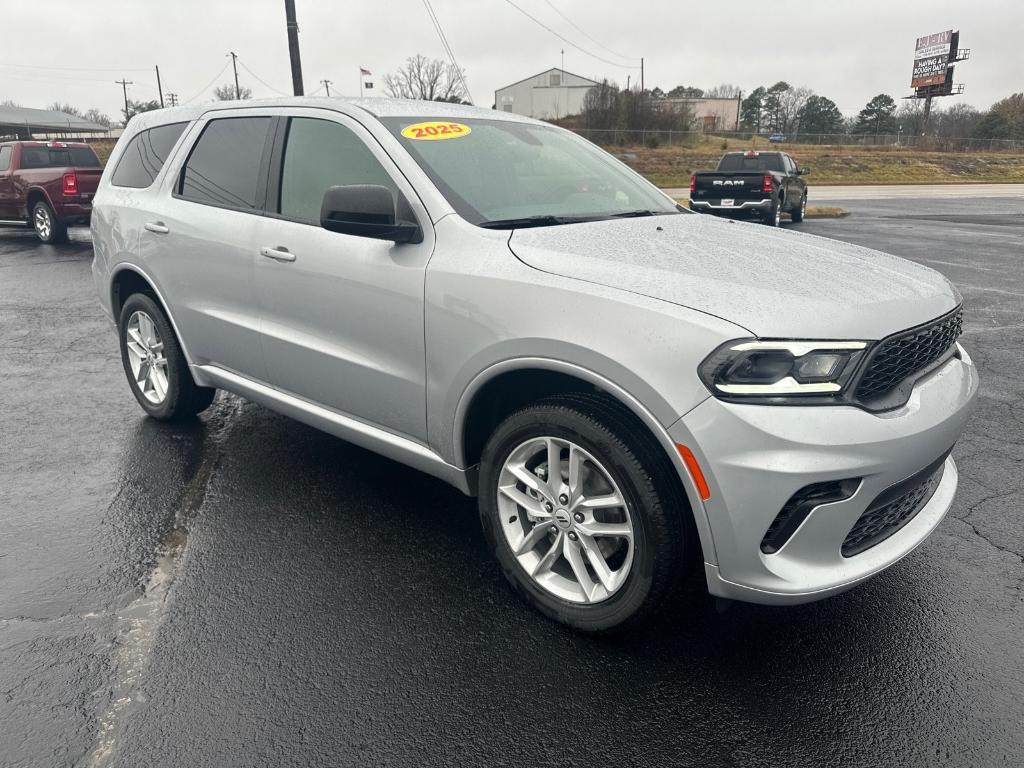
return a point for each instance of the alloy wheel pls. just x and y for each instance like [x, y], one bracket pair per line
[146, 357]
[43, 223]
[565, 520]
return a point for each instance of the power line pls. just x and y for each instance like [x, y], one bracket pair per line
[448, 49]
[260, 80]
[591, 38]
[563, 38]
[207, 86]
[78, 69]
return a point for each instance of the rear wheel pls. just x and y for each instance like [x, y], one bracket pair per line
[774, 216]
[575, 504]
[157, 371]
[801, 211]
[48, 228]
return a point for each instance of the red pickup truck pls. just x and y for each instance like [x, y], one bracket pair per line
[47, 185]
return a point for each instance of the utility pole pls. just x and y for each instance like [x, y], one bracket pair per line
[327, 85]
[159, 88]
[563, 61]
[234, 63]
[641, 74]
[124, 88]
[172, 99]
[293, 46]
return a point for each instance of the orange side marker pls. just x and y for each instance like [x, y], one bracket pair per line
[698, 477]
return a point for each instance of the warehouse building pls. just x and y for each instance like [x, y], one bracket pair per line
[549, 95]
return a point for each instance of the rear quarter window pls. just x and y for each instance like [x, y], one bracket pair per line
[145, 156]
[5, 158]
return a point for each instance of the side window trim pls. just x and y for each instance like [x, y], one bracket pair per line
[261, 175]
[387, 163]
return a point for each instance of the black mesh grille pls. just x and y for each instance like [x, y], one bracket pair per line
[889, 512]
[899, 357]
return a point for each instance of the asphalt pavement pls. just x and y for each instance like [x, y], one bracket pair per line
[246, 591]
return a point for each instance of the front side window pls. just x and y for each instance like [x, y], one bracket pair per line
[224, 166]
[5, 158]
[501, 173]
[319, 154]
[145, 155]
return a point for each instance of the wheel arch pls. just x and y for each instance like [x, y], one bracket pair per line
[127, 279]
[486, 401]
[33, 196]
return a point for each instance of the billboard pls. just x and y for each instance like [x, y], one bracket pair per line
[931, 59]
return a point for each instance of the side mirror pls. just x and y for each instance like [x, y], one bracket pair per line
[366, 210]
[803, 171]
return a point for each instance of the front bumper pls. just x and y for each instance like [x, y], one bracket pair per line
[755, 457]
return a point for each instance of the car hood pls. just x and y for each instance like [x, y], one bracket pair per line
[774, 283]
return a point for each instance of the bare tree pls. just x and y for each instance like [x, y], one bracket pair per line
[791, 102]
[65, 108]
[723, 91]
[429, 79]
[100, 118]
[9, 103]
[226, 92]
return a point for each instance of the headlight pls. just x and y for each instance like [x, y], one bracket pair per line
[750, 369]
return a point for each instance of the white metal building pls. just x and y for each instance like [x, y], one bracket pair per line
[709, 114]
[549, 95]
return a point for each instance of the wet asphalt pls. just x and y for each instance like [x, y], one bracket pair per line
[246, 591]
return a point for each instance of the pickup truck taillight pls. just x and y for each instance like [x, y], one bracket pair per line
[693, 184]
[766, 187]
[70, 184]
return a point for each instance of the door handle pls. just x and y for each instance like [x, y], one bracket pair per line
[157, 226]
[277, 254]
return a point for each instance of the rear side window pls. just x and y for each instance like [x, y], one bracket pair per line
[224, 166]
[320, 154]
[145, 155]
[58, 157]
[5, 158]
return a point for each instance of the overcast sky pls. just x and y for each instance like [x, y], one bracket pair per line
[72, 51]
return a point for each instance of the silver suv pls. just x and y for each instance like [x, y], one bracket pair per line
[626, 386]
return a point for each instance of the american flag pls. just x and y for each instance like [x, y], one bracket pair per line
[364, 72]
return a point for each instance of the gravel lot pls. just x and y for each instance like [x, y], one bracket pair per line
[247, 591]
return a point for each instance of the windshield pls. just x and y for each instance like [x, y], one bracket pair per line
[761, 162]
[503, 174]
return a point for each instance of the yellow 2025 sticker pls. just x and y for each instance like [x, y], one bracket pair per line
[435, 131]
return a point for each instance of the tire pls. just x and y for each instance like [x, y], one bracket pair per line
[801, 211]
[48, 228]
[774, 216]
[644, 570]
[157, 371]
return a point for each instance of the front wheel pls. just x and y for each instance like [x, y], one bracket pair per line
[575, 504]
[48, 228]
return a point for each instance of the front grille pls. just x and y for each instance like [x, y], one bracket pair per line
[899, 357]
[893, 509]
[799, 506]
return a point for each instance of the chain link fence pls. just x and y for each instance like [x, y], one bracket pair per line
[615, 137]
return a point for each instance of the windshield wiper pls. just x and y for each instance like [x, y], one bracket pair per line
[546, 220]
[636, 214]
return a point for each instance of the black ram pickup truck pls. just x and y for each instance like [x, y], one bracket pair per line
[761, 185]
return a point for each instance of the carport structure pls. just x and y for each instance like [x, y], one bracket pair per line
[24, 123]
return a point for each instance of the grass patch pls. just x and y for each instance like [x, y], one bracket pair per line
[672, 166]
[825, 212]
